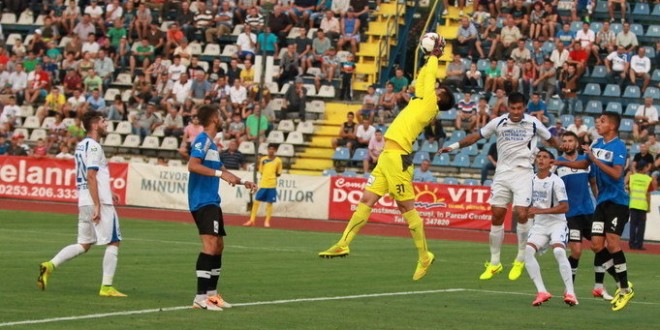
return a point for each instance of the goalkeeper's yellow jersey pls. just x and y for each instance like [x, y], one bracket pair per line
[420, 111]
[270, 169]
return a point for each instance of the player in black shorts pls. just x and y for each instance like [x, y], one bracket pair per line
[206, 170]
[607, 157]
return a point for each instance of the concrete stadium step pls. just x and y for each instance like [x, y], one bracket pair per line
[321, 141]
[335, 113]
[325, 153]
[327, 130]
[306, 172]
[312, 164]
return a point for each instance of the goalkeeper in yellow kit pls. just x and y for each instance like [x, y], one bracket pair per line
[394, 171]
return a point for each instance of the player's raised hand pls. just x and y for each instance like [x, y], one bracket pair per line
[444, 150]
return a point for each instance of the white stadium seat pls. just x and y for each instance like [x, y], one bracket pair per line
[285, 150]
[132, 141]
[150, 142]
[246, 148]
[112, 140]
[170, 143]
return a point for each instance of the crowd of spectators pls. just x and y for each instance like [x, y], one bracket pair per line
[71, 62]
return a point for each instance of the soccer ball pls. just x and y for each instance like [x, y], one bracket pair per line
[429, 41]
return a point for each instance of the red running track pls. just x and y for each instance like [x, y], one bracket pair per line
[285, 223]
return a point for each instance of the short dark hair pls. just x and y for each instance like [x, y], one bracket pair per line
[205, 113]
[448, 101]
[90, 118]
[542, 149]
[615, 117]
[273, 146]
[571, 134]
[640, 165]
[516, 97]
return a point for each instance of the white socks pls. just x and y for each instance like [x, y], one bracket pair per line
[109, 264]
[533, 269]
[496, 238]
[564, 269]
[522, 232]
[67, 253]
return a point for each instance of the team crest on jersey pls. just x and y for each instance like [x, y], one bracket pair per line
[93, 149]
[198, 146]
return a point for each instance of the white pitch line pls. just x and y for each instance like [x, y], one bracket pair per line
[532, 294]
[256, 303]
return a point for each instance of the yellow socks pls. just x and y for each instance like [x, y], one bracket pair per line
[416, 227]
[269, 213]
[358, 220]
[255, 209]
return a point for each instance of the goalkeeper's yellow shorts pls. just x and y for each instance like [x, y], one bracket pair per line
[393, 174]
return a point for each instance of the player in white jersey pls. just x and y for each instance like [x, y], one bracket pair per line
[517, 136]
[549, 205]
[97, 219]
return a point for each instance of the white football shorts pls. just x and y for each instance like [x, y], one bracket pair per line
[104, 232]
[543, 236]
[513, 187]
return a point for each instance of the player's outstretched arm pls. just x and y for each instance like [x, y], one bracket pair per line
[465, 142]
[195, 166]
[615, 171]
[430, 70]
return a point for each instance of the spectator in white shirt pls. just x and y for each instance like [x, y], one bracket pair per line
[237, 94]
[176, 69]
[182, 89]
[627, 39]
[559, 55]
[579, 128]
[640, 66]
[18, 82]
[330, 24]
[114, 11]
[9, 116]
[364, 133]
[90, 45]
[247, 43]
[617, 64]
[586, 37]
[646, 118]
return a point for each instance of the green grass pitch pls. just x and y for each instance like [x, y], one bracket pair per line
[156, 270]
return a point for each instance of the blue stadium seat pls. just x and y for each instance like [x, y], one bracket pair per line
[429, 147]
[596, 26]
[329, 172]
[479, 161]
[471, 182]
[420, 156]
[601, 7]
[656, 10]
[632, 92]
[656, 75]
[652, 92]
[641, 9]
[341, 153]
[461, 160]
[578, 106]
[349, 174]
[448, 115]
[631, 109]
[614, 107]
[566, 120]
[360, 154]
[612, 90]
[457, 135]
[637, 29]
[588, 121]
[482, 64]
[650, 52]
[599, 72]
[485, 148]
[441, 160]
[634, 149]
[653, 31]
[548, 47]
[615, 27]
[450, 181]
[488, 183]
[555, 105]
[626, 125]
[415, 145]
[472, 150]
[594, 107]
[592, 90]
[576, 26]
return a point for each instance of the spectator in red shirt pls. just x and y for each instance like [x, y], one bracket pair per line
[578, 56]
[38, 82]
[72, 81]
